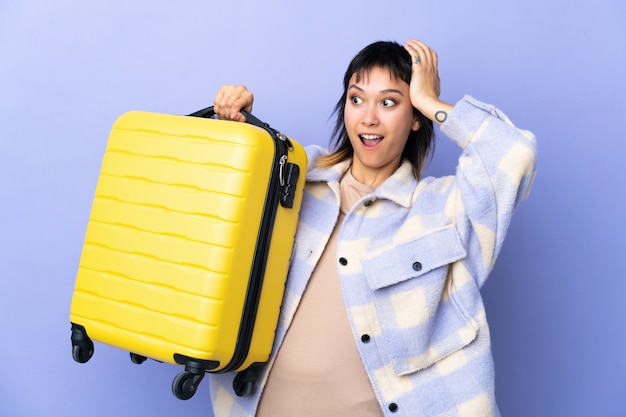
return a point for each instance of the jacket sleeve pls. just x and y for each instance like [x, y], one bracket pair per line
[494, 174]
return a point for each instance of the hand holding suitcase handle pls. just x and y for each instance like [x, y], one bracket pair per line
[250, 118]
[209, 112]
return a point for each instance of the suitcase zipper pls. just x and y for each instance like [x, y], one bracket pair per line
[283, 179]
[255, 283]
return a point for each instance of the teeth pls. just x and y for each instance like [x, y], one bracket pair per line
[371, 137]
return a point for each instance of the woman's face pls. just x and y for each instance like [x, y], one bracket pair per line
[378, 118]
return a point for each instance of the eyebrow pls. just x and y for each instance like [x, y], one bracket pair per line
[386, 91]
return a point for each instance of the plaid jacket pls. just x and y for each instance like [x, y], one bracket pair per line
[412, 258]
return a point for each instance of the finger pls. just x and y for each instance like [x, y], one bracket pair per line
[238, 103]
[220, 105]
[229, 102]
[411, 48]
[426, 54]
[419, 55]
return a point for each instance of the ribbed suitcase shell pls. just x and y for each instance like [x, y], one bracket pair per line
[171, 237]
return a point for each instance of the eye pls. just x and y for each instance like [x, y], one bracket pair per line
[388, 102]
[356, 100]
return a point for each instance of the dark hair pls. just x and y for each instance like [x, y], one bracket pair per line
[393, 57]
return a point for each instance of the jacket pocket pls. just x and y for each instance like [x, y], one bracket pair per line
[420, 319]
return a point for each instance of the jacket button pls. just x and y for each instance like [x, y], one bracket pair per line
[417, 266]
[368, 203]
[393, 407]
[365, 338]
[343, 261]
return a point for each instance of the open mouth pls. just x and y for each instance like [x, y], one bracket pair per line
[370, 141]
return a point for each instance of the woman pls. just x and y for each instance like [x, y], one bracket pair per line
[382, 313]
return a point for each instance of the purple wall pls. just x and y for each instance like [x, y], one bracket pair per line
[68, 69]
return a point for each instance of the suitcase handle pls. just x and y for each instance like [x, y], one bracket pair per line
[250, 118]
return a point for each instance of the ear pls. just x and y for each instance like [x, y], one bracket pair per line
[415, 126]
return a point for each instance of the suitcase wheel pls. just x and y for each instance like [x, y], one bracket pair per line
[244, 381]
[245, 389]
[185, 384]
[82, 346]
[80, 354]
[138, 359]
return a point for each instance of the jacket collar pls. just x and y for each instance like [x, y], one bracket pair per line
[398, 188]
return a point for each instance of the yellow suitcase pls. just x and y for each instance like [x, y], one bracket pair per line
[188, 243]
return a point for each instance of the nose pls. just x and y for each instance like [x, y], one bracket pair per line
[370, 116]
